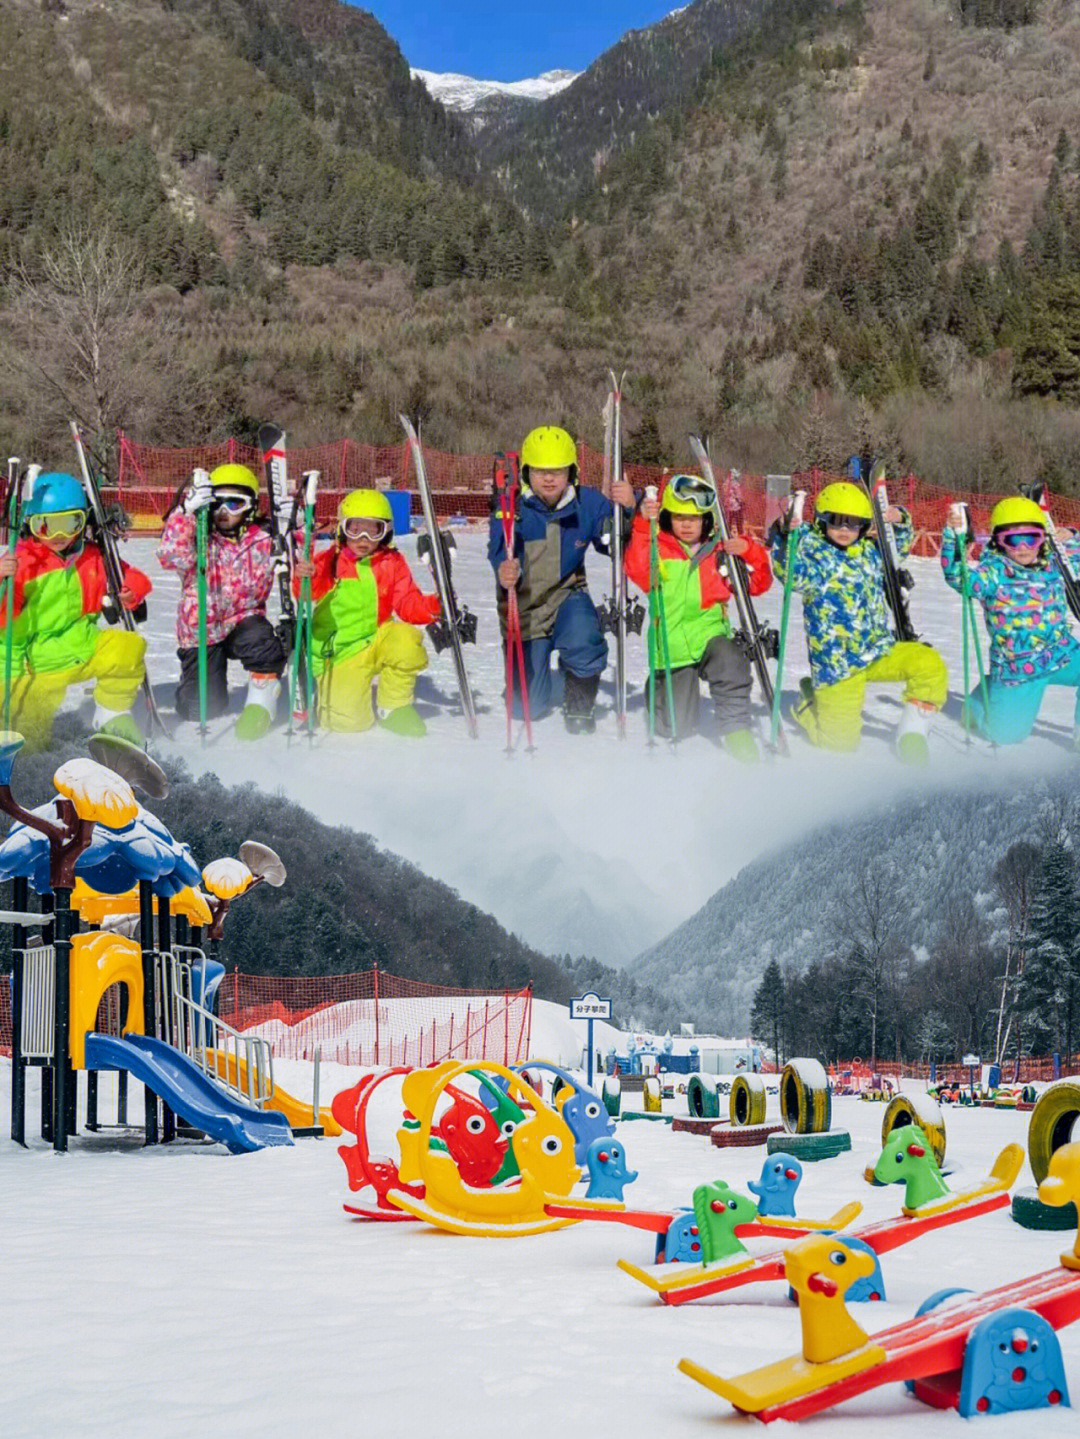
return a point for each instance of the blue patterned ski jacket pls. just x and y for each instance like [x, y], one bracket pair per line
[848, 624]
[1027, 615]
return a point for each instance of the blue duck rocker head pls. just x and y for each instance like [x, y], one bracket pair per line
[780, 1177]
[608, 1174]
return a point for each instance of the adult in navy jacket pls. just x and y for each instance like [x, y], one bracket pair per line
[556, 523]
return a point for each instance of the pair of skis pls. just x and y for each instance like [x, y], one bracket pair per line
[618, 614]
[897, 580]
[105, 534]
[16, 489]
[456, 626]
[294, 627]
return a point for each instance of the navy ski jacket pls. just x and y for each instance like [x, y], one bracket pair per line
[550, 546]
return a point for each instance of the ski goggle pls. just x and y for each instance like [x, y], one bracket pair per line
[64, 524]
[234, 504]
[693, 491]
[1018, 539]
[360, 527]
[832, 521]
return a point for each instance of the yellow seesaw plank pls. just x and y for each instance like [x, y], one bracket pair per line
[782, 1381]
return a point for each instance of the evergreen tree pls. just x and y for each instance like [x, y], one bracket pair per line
[1048, 986]
[768, 1013]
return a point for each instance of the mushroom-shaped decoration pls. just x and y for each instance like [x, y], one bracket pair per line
[226, 879]
[98, 794]
[130, 763]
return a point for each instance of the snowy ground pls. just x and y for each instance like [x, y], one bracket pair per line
[590, 844]
[164, 1293]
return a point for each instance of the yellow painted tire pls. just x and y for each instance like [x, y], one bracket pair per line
[805, 1097]
[701, 1097]
[1054, 1122]
[653, 1094]
[920, 1109]
[748, 1100]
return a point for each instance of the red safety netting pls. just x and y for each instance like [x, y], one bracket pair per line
[377, 1018]
[461, 484]
[366, 1018]
[1028, 1070]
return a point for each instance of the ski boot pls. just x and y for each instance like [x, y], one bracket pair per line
[258, 713]
[117, 722]
[910, 741]
[579, 702]
[741, 745]
[404, 721]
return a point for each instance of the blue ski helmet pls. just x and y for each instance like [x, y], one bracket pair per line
[53, 493]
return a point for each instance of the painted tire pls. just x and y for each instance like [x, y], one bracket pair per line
[920, 1109]
[653, 1095]
[810, 1147]
[1031, 1213]
[805, 1098]
[748, 1100]
[1053, 1123]
[701, 1097]
[611, 1093]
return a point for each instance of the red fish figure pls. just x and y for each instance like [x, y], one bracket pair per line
[349, 1108]
[472, 1138]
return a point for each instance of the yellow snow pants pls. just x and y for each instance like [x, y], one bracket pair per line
[834, 719]
[118, 666]
[396, 655]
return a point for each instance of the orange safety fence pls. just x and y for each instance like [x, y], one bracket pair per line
[367, 1018]
[149, 477]
[1027, 1070]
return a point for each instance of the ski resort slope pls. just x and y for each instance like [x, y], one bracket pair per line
[591, 844]
[164, 1293]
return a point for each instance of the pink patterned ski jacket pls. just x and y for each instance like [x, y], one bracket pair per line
[239, 577]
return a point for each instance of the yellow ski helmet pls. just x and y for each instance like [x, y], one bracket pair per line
[235, 477]
[366, 505]
[1017, 510]
[688, 495]
[548, 448]
[844, 498]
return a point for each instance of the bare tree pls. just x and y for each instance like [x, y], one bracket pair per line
[81, 346]
[1015, 877]
[870, 920]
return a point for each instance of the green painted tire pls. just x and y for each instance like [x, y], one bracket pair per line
[748, 1100]
[920, 1109]
[805, 1097]
[1031, 1213]
[1053, 1123]
[810, 1147]
[611, 1094]
[701, 1097]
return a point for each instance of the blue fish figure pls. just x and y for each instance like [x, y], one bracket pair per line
[780, 1176]
[581, 1108]
[608, 1174]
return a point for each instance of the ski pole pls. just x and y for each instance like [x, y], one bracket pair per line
[967, 605]
[515, 644]
[201, 518]
[659, 650]
[302, 639]
[10, 521]
[791, 528]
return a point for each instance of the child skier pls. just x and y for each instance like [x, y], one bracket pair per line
[838, 570]
[1023, 597]
[695, 588]
[364, 625]
[556, 523]
[59, 594]
[240, 569]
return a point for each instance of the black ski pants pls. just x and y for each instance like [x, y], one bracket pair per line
[254, 642]
[725, 668]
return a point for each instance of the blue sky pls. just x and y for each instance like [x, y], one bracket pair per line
[511, 39]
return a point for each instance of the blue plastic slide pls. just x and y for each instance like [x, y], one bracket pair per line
[189, 1092]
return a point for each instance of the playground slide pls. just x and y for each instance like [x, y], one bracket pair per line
[188, 1091]
[299, 1114]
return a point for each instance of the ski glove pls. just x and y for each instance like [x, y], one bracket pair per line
[200, 493]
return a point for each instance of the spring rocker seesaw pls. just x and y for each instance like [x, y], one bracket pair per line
[989, 1353]
[475, 1135]
[928, 1205]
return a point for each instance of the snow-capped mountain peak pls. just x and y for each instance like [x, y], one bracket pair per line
[462, 93]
